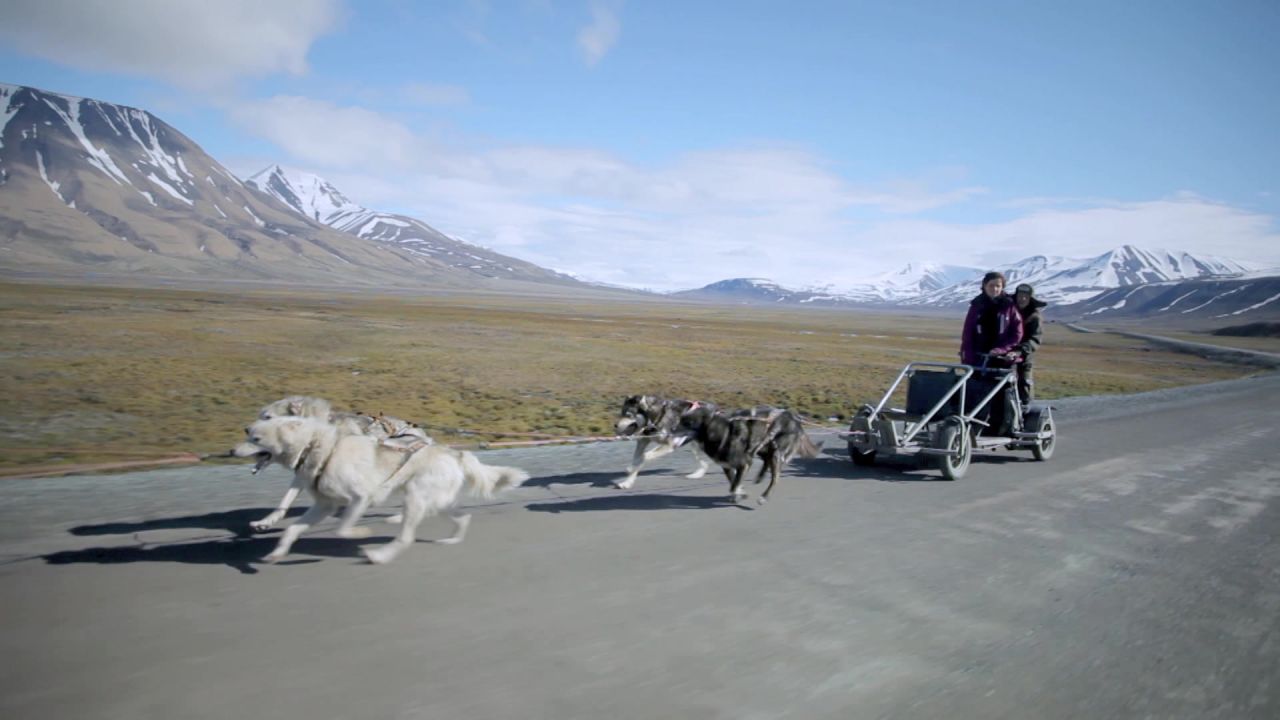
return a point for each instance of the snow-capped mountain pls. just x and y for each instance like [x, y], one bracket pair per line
[309, 194]
[1244, 299]
[1059, 280]
[317, 199]
[1063, 281]
[913, 280]
[91, 186]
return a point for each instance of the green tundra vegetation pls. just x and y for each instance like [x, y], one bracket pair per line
[97, 374]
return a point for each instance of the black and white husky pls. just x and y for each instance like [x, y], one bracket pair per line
[665, 424]
[735, 440]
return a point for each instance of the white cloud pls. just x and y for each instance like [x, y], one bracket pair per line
[315, 132]
[598, 38]
[1184, 221]
[435, 95]
[779, 212]
[190, 43]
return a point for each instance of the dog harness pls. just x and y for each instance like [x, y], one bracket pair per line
[302, 459]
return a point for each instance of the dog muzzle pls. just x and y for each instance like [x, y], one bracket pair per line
[262, 457]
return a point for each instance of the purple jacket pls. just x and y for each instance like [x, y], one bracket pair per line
[990, 326]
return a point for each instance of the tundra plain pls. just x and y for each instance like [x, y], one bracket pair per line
[95, 374]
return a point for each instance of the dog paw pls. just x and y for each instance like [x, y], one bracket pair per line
[264, 524]
[696, 474]
[273, 558]
[355, 533]
[378, 556]
[449, 541]
[762, 500]
[625, 484]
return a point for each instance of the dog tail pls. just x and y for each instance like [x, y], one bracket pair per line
[485, 480]
[802, 445]
[807, 448]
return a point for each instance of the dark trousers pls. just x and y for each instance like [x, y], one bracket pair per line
[1026, 384]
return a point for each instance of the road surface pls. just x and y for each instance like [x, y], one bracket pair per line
[1135, 575]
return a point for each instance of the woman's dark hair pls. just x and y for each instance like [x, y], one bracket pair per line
[993, 275]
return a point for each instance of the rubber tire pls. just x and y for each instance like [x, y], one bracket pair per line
[1043, 450]
[953, 434]
[859, 458]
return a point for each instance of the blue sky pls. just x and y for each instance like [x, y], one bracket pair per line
[672, 144]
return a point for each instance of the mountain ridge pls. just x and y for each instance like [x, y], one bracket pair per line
[316, 198]
[1061, 280]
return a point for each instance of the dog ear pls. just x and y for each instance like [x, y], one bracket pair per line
[295, 407]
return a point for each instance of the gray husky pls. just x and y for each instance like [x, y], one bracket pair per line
[663, 423]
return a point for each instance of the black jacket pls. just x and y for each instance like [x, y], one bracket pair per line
[1031, 330]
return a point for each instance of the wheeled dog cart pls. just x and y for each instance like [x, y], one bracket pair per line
[951, 411]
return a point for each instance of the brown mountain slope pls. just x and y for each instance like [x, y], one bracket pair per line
[92, 187]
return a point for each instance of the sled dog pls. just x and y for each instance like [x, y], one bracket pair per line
[358, 471]
[735, 440]
[392, 431]
[664, 424]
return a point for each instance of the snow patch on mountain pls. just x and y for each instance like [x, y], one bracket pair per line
[309, 194]
[7, 108]
[911, 281]
[316, 198]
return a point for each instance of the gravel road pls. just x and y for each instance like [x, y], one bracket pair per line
[1134, 575]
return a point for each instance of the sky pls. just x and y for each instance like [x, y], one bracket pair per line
[671, 144]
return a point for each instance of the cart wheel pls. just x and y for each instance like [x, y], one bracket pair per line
[1043, 450]
[861, 458]
[954, 437]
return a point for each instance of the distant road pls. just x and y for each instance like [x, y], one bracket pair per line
[1218, 352]
[1136, 574]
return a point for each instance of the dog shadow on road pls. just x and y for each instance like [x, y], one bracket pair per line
[639, 501]
[836, 465]
[594, 479]
[236, 521]
[242, 554]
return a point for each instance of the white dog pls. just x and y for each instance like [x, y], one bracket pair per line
[393, 432]
[358, 471]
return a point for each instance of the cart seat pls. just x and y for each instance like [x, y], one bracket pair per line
[925, 388]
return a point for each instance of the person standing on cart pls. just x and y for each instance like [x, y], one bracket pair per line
[992, 326]
[992, 331]
[1024, 298]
